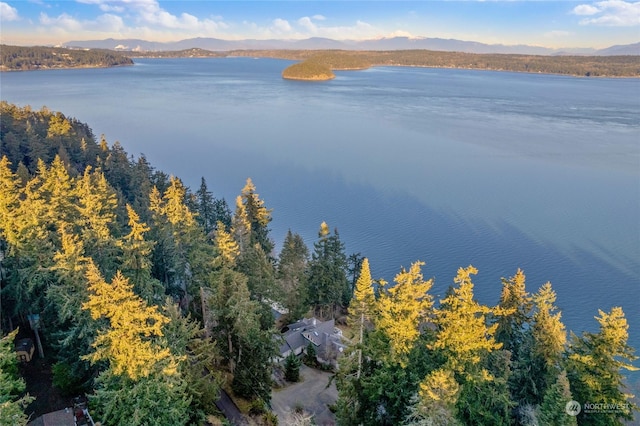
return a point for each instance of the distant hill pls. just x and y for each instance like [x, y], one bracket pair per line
[316, 43]
[627, 49]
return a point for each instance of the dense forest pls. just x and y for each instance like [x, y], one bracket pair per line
[24, 58]
[308, 70]
[153, 297]
[20, 58]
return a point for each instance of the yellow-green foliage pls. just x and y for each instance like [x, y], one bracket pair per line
[127, 343]
[463, 329]
[363, 301]
[308, 70]
[227, 248]
[402, 309]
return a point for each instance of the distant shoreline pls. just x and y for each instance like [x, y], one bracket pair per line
[80, 67]
[3, 69]
[15, 58]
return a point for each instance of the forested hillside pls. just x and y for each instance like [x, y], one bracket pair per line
[21, 58]
[590, 66]
[153, 297]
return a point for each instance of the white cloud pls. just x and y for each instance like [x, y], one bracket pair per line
[614, 13]
[8, 13]
[585, 9]
[281, 26]
[148, 19]
[308, 25]
[63, 22]
[110, 23]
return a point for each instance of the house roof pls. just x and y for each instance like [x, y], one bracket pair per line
[307, 330]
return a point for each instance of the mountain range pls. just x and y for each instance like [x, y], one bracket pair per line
[393, 43]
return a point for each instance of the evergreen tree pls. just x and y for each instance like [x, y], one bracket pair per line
[75, 330]
[205, 207]
[354, 266]
[467, 341]
[402, 309]
[552, 410]
[156, 399]
[292, 368]
[258, 216]
[461, 322]
[201, 370]
[182, 255]
[227, 249]
[594, 365]
[96, 207]
[538, 363]
[327, 277]
[260, 273]
[142, 383]
[10, 193]
[132, 323]
[435, 404]
[362, 306]
[291, 275]
[135, 260]
[240, 226]
[515, 306]
[47, 207]
[12, 403]
[222, 212]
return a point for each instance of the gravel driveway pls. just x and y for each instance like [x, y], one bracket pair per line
[311, 393]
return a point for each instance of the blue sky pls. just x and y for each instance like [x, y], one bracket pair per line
[564, 23]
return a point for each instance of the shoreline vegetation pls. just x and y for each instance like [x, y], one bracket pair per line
[320, 64]
[13, 58]
[19, 58]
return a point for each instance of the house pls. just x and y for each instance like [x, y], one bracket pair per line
[326, 338]
[24, 350]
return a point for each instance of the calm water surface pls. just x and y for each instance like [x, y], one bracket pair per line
[453, 167]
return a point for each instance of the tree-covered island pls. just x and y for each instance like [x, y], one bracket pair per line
[155, 298]
[308, 71]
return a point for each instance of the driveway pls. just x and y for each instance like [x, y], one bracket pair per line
[311, 393]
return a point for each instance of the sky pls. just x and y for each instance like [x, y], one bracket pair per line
[555, 24]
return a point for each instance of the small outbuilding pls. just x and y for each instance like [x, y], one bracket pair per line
[24, 350]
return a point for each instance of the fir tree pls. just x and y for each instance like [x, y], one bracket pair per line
[258, 216]
[538, 362]
[402, 309]
[291, 275]
[515, 306]
[12, 403]
[327, 277]
[552, 408]
[292, 368]
[595, 363]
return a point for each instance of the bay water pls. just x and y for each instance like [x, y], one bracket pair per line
[452, 167]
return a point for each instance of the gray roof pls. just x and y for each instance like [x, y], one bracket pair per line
[307, 330]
